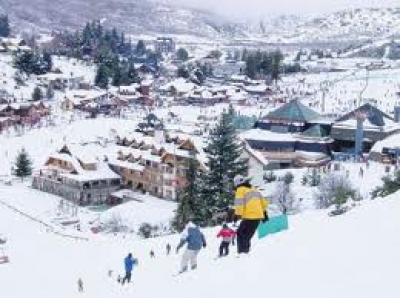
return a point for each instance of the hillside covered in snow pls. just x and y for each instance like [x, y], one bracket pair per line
[353, 255]
[361, 24]
[132, 16]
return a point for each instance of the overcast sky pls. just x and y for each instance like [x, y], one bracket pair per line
[259, 8]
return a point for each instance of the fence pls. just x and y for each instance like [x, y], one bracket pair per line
[40, 222]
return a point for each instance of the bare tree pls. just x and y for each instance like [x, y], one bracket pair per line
[114, 224]
[331, 188]
[284, 198]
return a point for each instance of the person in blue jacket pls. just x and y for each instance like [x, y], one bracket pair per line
[129, 263]
[195, 240]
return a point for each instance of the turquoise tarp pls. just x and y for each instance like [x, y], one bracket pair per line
[274, 225]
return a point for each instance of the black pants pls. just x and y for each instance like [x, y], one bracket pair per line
[128, 276]
[245, 232]
[224, 249]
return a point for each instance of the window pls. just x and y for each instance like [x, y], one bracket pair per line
[169, 169]
[169, 194]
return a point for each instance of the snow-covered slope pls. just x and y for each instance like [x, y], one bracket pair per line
[348, 25]
[353, 255]
[133, 16]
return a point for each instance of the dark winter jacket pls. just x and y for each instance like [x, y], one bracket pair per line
[193, 237]
[129, 263]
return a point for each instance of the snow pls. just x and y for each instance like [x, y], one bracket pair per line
[266, 135]
[360, 248]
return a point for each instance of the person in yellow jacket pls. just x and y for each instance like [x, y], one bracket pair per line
[250, 207]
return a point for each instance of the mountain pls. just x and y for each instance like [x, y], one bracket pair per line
[133, 16]
[348, 25]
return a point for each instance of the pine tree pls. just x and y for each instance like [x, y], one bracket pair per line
[140, 48]
[224, 162]
[189, 202]
[37, 94]
[183, 72]
[118, 78]
[102, 77]
[182, 54]
[47, 61]
[276, 65]
[132, 75]
[23, 165]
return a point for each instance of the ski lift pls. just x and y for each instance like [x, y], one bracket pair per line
[3, 257]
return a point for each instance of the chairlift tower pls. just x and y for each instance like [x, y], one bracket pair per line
[359, 147]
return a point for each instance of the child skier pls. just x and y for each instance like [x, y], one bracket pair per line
[228, 237]
[195, 241]
[129, 263]
[80, 285]
[168, 248]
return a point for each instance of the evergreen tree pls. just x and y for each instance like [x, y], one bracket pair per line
[5, 29]
[23, 165]
[118, 78]
[224, 162]
[182, 54]
[132, 75]
[37, 94]
[47, 61]
[183, 72]
[33, 62]
[189, 202]
[276, 65]
[102, 77]
[140, 48]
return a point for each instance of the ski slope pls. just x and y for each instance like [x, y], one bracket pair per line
[354, 255]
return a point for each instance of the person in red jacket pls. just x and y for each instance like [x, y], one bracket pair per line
[228, 237]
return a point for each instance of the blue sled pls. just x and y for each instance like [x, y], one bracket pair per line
[273, 225]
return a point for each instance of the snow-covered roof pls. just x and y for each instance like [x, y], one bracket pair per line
[256, 88]
[135, 166]
[257, 155]
[103, 172]
[391, 142]
[181, 85]
[266, 135]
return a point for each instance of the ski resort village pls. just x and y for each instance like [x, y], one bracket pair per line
[157, 161]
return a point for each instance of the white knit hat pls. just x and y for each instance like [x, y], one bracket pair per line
[238, 179]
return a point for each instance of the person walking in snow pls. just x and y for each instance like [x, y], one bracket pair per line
[168, 248]
[195, 240]
[80, 285]
[129, 263]
[228, 237]
[250, 207]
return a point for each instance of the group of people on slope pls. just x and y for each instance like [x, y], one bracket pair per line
[250, 207]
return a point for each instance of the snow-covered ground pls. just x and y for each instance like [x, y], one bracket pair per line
[353, 255]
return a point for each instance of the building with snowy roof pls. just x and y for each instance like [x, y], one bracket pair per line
[286, 137]
[77, 173]
[376, 126]
[157, 164]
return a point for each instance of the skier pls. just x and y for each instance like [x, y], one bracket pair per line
[168, 248]
[228, 237]
[195, 241]
[80, 285]
[250, 207]
[129, 264]
[152, 254]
